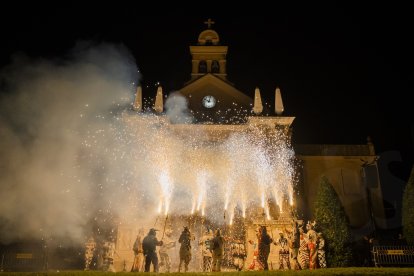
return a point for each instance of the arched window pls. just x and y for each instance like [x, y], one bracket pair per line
[202, 66]
[215, 67]
[209, 42]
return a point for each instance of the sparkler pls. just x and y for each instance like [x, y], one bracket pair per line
[267, 211]
[268, 214]
[193, 207]
[290, 189]
[252, 165]
[243, 203]
[231, 218]
[203, 210]
[167, 189]
[264, 216]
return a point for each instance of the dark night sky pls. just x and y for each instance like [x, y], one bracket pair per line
[344, 73]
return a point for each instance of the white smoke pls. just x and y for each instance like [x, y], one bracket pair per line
[47, 112]
[176, 107]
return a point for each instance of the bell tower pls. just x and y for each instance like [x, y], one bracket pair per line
[208, 56]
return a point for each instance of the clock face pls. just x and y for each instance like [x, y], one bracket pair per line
[209, 101]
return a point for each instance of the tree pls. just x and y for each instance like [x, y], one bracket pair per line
[407, 213]
[331, 220]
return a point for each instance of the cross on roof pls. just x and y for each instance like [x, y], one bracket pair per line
[209, 22]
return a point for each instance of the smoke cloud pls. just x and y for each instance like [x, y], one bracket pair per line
[50, 112]
[176, 107]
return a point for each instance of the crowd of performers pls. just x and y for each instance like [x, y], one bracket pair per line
[305, 250]
[146, 257]
[299, 247]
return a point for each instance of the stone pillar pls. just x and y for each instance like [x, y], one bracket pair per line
[222, 64]
[194, 69]
[209, 62]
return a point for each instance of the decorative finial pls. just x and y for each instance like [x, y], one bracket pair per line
[159, 103]
[258, 106]
[209, 22]
[138, 100]
[278, 102]
[370, 146]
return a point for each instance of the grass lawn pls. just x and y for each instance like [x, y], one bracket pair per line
[329, 271]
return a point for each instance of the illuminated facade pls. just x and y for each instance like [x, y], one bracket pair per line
[352, 169]
[220, 110]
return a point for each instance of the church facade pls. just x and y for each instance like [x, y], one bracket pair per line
[219, 110]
